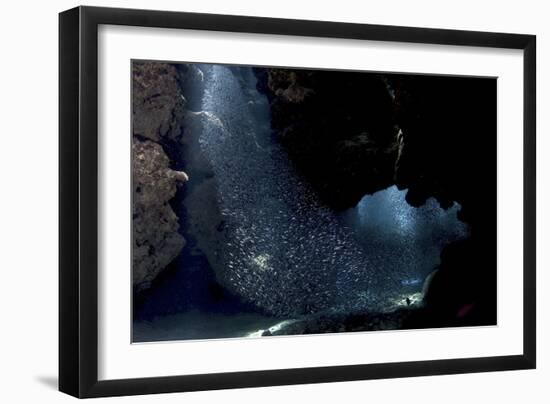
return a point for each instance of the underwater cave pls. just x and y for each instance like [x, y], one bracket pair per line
[315, 201]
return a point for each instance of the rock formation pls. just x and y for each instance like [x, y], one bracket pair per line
[157, 112]
[337, 128]
[157, 104]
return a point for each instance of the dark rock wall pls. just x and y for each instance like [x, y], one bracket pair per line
[449, 141]
[449, 152]
[354, 133]
[337, 128]
[157, 104]
[157, 111]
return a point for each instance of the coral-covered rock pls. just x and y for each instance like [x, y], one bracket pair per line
[157, 105]
[156, 241]
[155, 225]
[157, 116]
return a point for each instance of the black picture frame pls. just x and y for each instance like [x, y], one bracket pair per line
[78, 201]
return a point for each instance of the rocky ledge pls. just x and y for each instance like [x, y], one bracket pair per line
[157, 112]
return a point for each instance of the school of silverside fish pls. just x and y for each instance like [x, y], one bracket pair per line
[283, 249]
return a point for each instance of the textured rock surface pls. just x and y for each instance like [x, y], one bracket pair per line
[156, 101]
[155, 225]
[338, 322]
[157, 115]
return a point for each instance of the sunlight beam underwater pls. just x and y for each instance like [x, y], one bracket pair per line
[284, 250]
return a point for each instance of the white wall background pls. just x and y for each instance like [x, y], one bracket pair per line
[28, 199]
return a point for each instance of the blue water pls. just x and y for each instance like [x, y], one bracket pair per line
[397, 235]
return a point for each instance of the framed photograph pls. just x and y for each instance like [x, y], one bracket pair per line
[251, 201]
